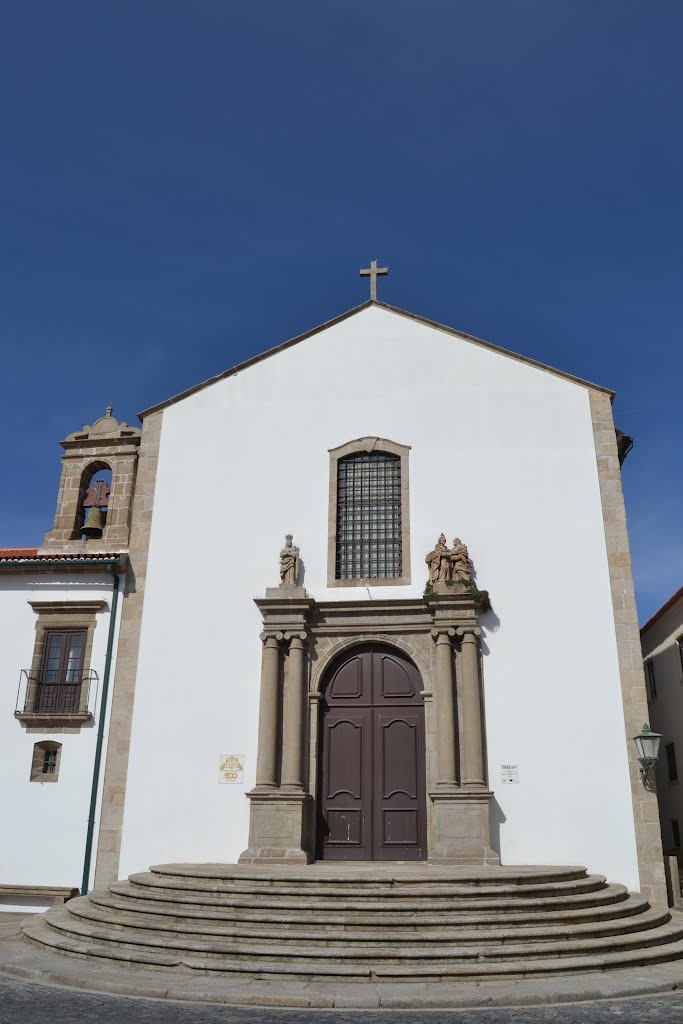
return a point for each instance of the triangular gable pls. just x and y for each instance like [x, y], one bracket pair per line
[352, 312]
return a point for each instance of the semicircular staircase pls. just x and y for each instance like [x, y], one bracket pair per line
[390, 922]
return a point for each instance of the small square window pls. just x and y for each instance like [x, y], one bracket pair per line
[45, 761]
[671, 762]
[675, 832]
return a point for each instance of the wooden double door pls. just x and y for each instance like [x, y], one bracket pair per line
[371, 787]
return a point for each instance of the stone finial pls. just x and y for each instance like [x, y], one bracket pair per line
[104, 427]
[289, 563]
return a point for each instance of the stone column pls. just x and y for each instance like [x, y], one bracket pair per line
[266, 761]
[293, 713]
[445, 707]
[473, 737]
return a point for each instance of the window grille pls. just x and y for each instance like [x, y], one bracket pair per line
[369, 516]
[50, 762]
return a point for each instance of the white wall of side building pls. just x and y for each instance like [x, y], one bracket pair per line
[502, 455]
[45, 824]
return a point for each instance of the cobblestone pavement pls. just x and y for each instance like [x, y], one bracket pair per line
[22, 1003]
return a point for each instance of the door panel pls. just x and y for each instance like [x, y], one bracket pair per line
[344, 824]
[400, 832]
[347, 681]
[372, 760]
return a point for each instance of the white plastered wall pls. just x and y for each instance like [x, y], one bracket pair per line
[502, 455]
[45, 824]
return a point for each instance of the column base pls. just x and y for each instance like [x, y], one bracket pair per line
[278, 822]
[461, 831]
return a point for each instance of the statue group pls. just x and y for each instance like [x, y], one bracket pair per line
[449, 565]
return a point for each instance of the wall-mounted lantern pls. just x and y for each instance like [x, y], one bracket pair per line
[647, 743]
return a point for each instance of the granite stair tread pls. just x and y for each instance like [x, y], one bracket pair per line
[397, 891]
[303, 932]
[127, 902]
[214, 946]
[39, 932]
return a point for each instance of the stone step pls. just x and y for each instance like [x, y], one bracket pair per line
[376, 876]
[369, 893]
[302, 933]
[378, 924]
[503, 902]
[39, 932]
[211, 947]
[630, 906]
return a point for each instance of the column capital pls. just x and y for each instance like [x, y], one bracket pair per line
[296, 638]
[443, 635]
[266, 637]
[469, 634]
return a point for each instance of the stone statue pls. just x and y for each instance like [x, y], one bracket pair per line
[438, 562]
[461, 567]
[289, 563]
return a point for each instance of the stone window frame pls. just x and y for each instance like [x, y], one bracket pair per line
[38, 761]
[57, 615]
[369, 444]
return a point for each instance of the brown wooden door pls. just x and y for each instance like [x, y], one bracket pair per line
[371, 803]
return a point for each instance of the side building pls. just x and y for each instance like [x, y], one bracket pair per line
[662, 643]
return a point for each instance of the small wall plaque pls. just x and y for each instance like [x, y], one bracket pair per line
[231, 768]
[509, 773]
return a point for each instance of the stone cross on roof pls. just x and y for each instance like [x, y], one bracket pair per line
[373, 272]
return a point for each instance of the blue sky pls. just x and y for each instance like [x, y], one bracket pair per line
[183, 185]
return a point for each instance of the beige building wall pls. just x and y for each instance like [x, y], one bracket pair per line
[659, 639]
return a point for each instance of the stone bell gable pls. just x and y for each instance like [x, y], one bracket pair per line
[106, 445]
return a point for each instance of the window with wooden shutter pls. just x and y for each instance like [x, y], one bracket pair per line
[61, 674]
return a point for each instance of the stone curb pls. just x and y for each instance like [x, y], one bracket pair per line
[20, 960]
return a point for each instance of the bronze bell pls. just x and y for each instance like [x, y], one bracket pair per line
[94, 524]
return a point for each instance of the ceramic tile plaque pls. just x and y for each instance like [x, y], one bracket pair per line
[231, 768]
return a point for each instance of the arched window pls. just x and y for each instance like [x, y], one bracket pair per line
[369, 517]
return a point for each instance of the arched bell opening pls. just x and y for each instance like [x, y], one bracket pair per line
[93, 501]
[371, 759]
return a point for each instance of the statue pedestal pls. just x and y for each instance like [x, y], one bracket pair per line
[286, 592]
[454, 589]
[461, 830]
[278, 827]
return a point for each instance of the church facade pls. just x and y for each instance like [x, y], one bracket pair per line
[409, 633]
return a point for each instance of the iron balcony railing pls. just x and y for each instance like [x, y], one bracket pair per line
[35, 695]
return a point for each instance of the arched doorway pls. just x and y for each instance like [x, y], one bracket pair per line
[371, 789]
